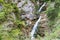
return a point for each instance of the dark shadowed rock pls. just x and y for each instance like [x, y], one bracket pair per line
[29, 16]
[26, 6]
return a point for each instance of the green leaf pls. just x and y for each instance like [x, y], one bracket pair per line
[2, 15]
[1, 1]
[15, 32]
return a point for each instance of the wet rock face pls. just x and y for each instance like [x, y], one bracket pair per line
[29, 7]
[26, 6]
[29, 16]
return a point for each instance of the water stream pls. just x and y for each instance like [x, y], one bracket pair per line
[36, 24]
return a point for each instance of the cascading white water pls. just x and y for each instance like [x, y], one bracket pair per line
[36, 24]
[34, 28]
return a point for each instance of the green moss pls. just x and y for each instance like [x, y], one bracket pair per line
[1, 1]
[2, 15]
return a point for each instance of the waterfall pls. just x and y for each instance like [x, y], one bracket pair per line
[36, 24]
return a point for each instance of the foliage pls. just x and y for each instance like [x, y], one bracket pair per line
[13, 34]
